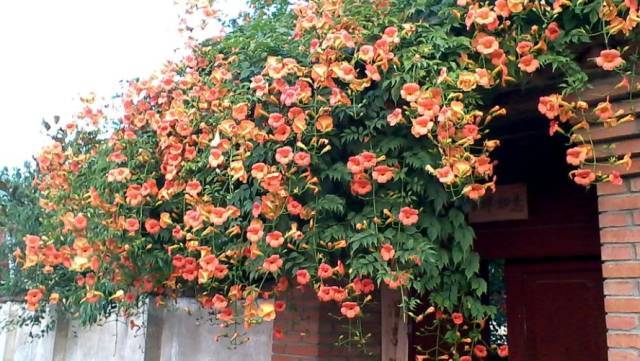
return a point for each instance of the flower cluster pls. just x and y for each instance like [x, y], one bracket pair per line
[572, 119]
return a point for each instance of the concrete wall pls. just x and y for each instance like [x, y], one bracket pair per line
[177, 337]
[111, 340]
[17, 345]
[173, 334]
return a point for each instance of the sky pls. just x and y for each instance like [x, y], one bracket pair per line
[52, 52]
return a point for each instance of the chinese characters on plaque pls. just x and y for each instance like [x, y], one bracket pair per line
[509, 202]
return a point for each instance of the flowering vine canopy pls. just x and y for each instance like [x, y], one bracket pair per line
[327, 146]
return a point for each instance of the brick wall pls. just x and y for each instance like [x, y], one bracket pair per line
[620, 236]
[619, 213]
[309, 333]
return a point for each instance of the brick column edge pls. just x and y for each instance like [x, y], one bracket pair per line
[619, 216]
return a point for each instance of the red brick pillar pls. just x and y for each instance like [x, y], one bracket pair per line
[306, 332]
[620, 237]
[619, 208]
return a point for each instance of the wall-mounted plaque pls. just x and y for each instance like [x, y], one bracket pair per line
[508, 203]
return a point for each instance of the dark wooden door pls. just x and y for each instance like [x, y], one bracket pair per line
[555, 311]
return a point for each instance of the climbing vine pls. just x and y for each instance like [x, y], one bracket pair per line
[330, 145]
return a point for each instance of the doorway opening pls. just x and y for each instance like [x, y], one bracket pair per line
[545, 270]
[543, 266]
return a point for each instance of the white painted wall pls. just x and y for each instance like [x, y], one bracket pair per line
[169, 334]
[17, 345]
[193, 338]
[110, 341]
